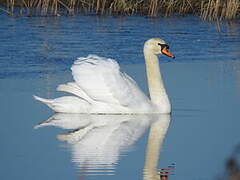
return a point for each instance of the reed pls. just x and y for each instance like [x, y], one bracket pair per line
[123, 7]
[54, 8]
[219, 9]
[153, 8]
[169, 7]
[206, 9]
[9, 7]
[28, 7]
[11, 3]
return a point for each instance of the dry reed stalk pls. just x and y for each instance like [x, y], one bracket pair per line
[220, 9]
[208, 9]
[10, 7]
[12, 2]
[98, 6]
[185, 7]
[44, 7]
[38, 6]
[71, 6]
[111, 7]
[91, 7]
[64, 5]
[170, 7]
[182, 7]
[54, 8]
[232, 7]
[119, 7]
[153, 8]
[216, 9]
[29, 5]
[103, 6]
[6, 11]
[81, 4]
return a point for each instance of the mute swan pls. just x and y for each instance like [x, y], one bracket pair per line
[101, 88]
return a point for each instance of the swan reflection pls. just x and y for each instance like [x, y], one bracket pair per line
[97, 141]
[156, 136]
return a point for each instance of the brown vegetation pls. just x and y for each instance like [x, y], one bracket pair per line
[220, 9]
[206, 9]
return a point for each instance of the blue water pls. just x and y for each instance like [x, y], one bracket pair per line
[203, 83]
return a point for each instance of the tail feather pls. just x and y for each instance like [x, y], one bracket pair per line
[48, 102]
[40, 125]
[66, 104]
[74, 89]
[45, 101]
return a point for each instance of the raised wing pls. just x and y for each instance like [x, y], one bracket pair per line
[101, 79]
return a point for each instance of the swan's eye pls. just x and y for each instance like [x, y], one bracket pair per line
[163, 46]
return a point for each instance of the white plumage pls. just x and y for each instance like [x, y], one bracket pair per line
[100, 87]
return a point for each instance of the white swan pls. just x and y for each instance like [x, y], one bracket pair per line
[100, 87]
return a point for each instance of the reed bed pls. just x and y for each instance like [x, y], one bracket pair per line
[206, 9]
[219, 9]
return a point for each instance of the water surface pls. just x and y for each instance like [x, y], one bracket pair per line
[203, 83]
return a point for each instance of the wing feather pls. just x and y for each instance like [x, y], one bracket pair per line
[103, 81]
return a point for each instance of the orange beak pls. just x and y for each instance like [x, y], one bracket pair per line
[166, 52]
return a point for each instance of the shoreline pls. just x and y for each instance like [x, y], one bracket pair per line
[211, 10]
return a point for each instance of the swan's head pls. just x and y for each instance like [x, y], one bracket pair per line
[157, 46]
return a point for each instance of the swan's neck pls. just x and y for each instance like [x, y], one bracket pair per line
[156, 88]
